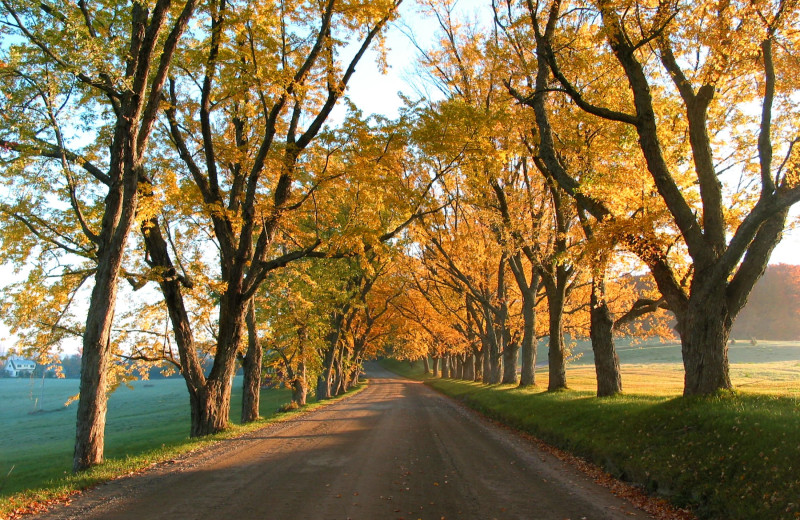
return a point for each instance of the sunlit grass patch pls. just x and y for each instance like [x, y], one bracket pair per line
[767, 378]
[664, 379]
[775, 378]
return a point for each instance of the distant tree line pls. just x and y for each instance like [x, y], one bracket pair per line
[71, 366]
[773, 309]
[71, 369]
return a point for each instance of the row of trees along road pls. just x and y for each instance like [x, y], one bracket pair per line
[184, 147]
[223, 190]
[587, 132]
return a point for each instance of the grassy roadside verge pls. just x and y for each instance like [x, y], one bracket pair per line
[147, 453]
[726, 457]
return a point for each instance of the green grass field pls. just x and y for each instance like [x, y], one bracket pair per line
[727, 457]
[39, 431]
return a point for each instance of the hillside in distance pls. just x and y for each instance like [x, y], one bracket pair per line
[773, 309]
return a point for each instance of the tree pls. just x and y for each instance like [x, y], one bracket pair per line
[435, 320]
[463, 258]
[373, 325]
[108, 64]
[524, 247]
[269, 75]
[470, 121]
[727, 235]
[531, 219]
[359, 319]
[292, 308]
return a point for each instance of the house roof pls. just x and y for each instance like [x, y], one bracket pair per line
[21, 362]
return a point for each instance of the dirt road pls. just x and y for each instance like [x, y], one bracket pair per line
[397, 450]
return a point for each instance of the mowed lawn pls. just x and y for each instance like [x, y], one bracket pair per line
[39, 430]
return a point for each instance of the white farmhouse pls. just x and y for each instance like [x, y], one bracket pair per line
[18, 367]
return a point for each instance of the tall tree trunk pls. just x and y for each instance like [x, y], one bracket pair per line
[494, 355]
[92, 406]
[251, 365]
[528, 377]
[211, 407]
[120, 210]
[343, 380]
[469, 368]
[325, 378]
[336, 380]
[606, 361]
[705, 329]
[478, 361]
[557, 353]
[705, 325]
[323, 386]
[500, 335]
[486, 373]
[510, 353]
[300, 386]
[435, 366]
[477, 344]
[341, 373]
[445, 366]
[300, 376]
[497, 367]
[508, 347]
[529, 291]
[426, 365]
[300, 380]
[213, 403]
[705, 356]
